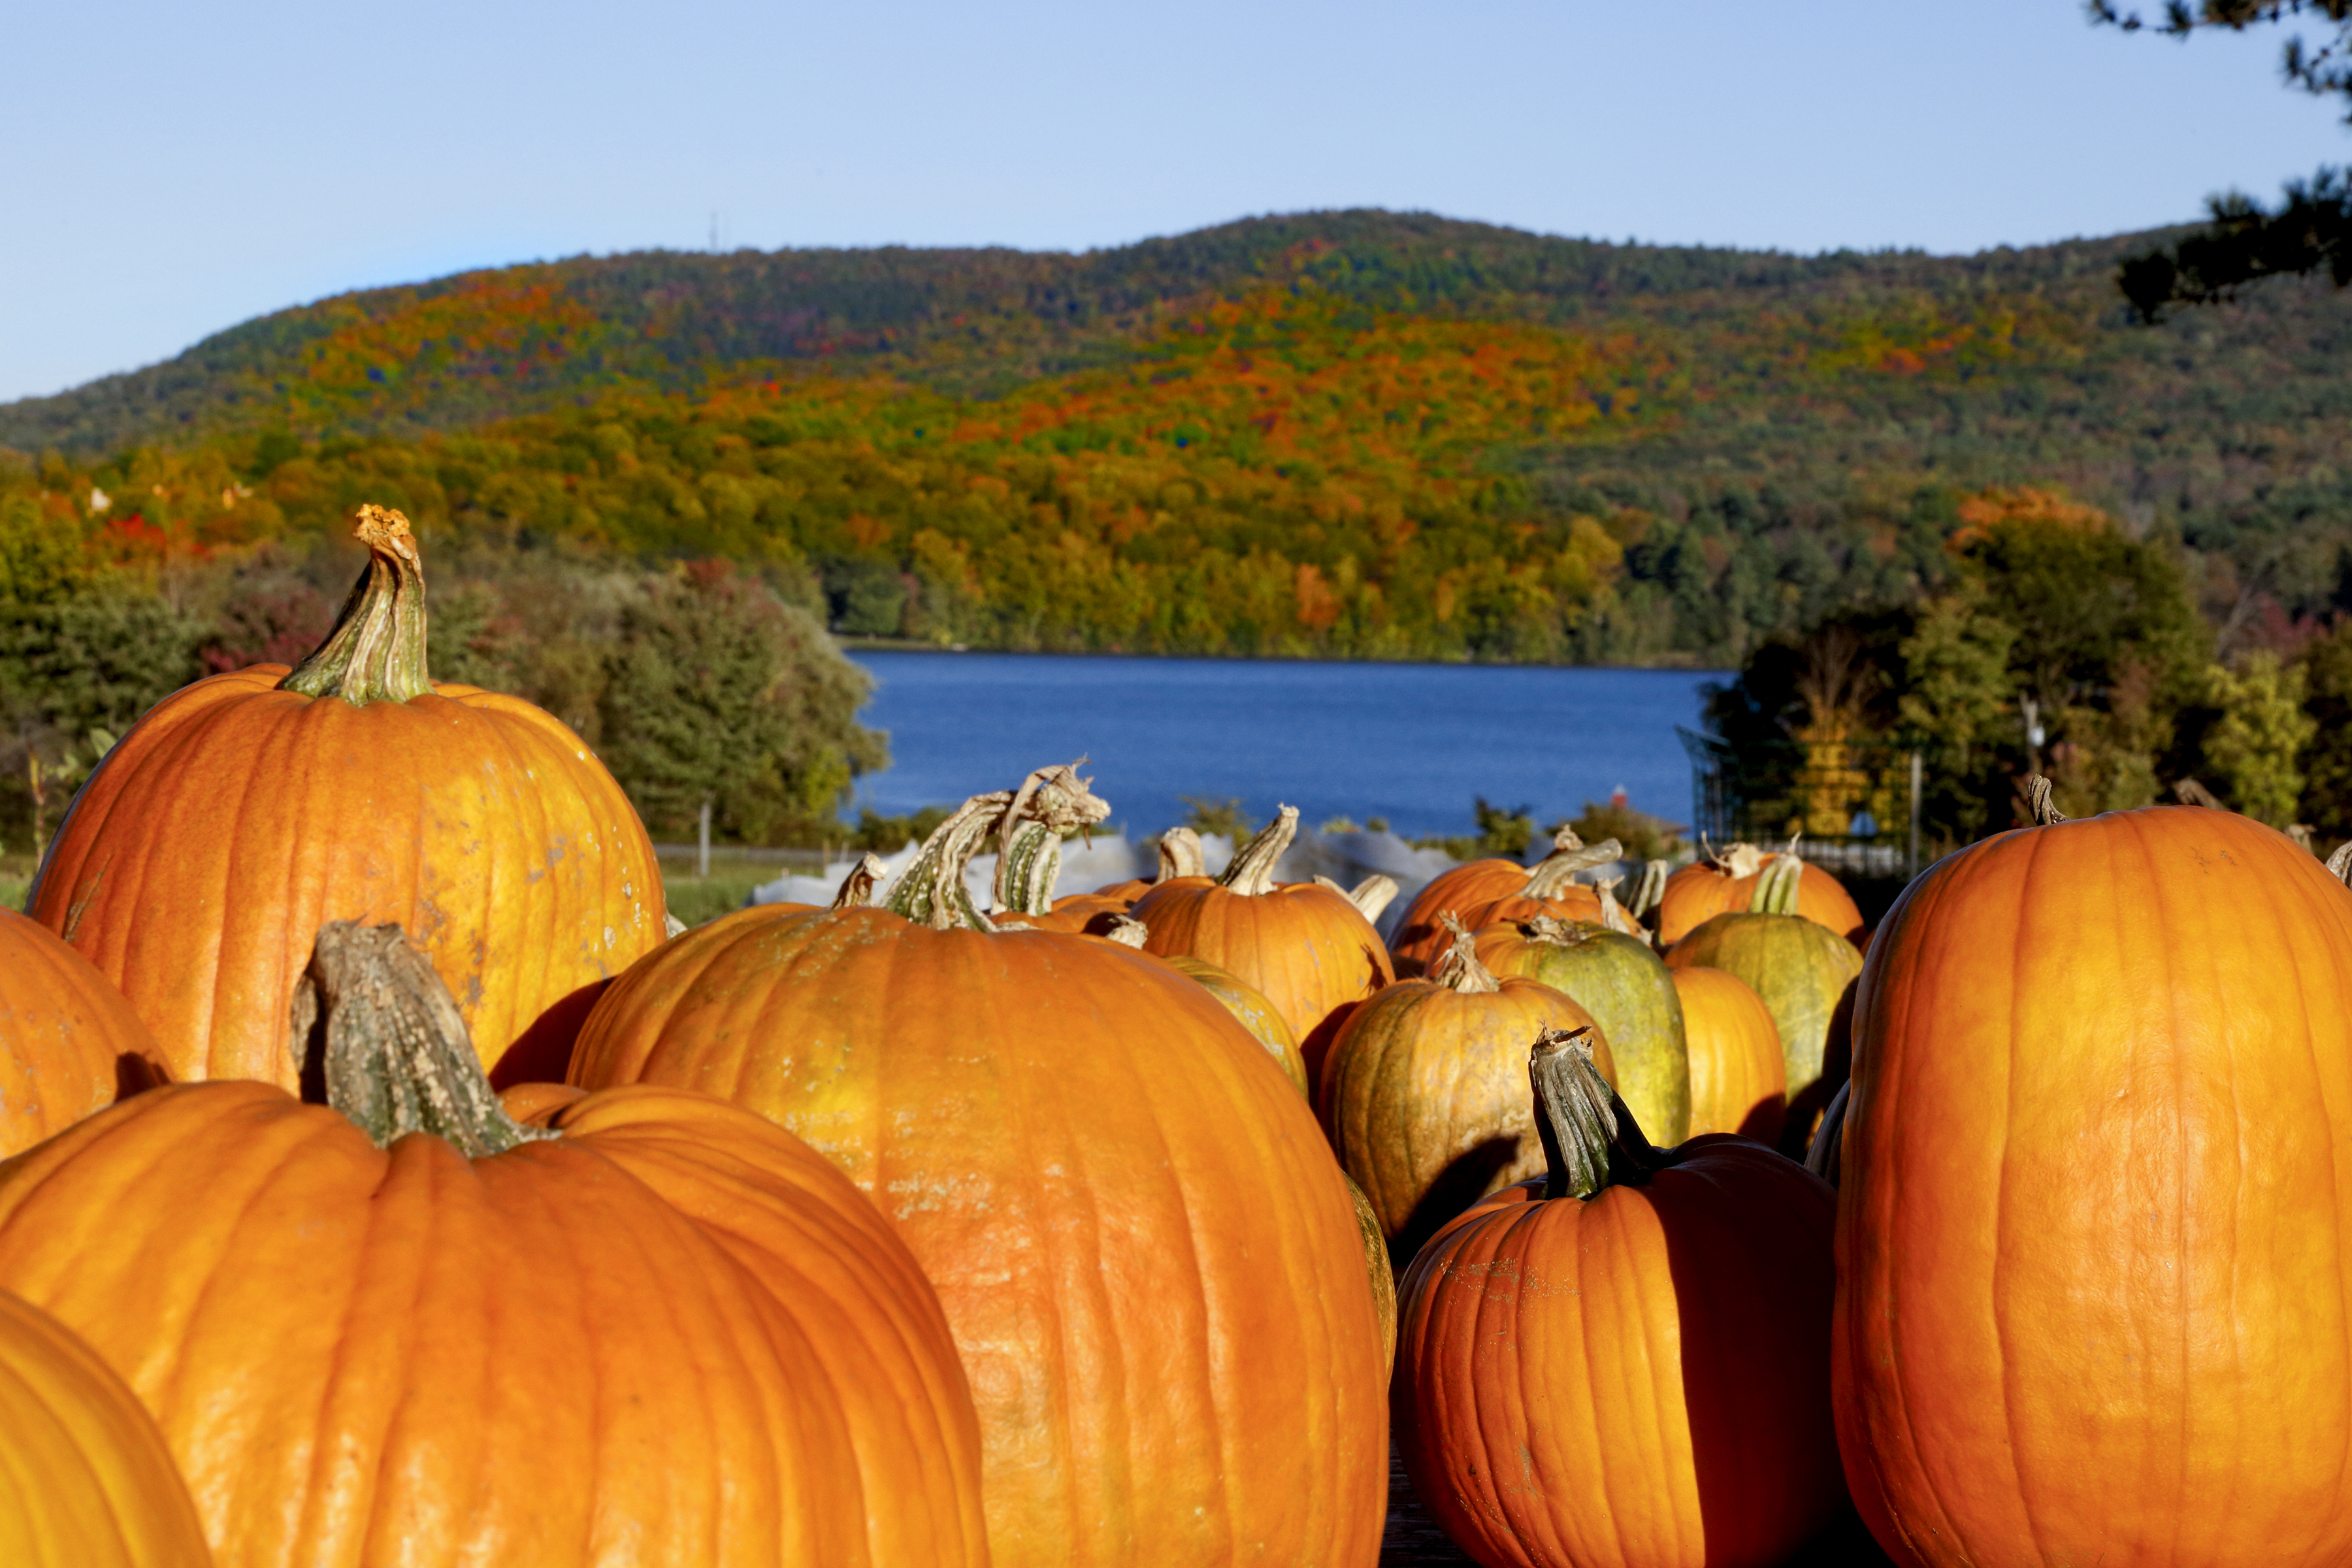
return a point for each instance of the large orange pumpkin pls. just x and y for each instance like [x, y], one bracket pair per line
[1425, 1092]
[1150, 1262]
[85, 1480]
[1630, 1370]
[1304, 946]
[2095, 1231]
[663, 1332]
[67, 1039]
[1724, 883]
[1492, 892]
[246, 810]
[1740, 1082]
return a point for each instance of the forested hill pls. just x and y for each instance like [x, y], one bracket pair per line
[1340, 434]
[479, 345]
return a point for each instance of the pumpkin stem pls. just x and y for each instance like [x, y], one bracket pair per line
[1613, 914]
[2037, 801]
[392, 1052]
[856, 889]
[1179, 855]
[1027, 871]
[930, 892]
[1559, 868]
[1252, 872]
[1590, 1140]
[1126, 930]
[1458, 968]
[376, 652]
[1738, 859]
[1650, 891]
[2339, 865]
[1776, 887]
[1553, 930]
[1372, 895]
[1565, 839]
[1057, 799]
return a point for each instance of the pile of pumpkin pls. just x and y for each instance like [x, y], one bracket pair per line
[388, 1182]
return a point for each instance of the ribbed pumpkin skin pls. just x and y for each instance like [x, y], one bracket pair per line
[1618, 980]
[1470, 885]
[1425, 1098]
[1803, 972]
[85, 1480]
[1304, 948]
[1380, 1270]
[1252, 1011]
[64, 1032]
[1149, 1260]
[235, 819]
[2095, 1292]
[1699, 891]
[1574, 902]
[1651, 1389]
[1739, 1082]
[675, 1336]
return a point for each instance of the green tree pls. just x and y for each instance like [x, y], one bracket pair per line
[2254, 746]
[2311, 230]
[2326, 667]
[717, 694]
[1960, 700]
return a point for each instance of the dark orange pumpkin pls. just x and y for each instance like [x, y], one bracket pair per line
[85, 1478]
[657, 1330]
[246, 810]
[1150, 1262]
[1628, 1371]
[1740, 1082]
[2095, 1214]
[1493, 892]
[1724, 883]
[67, 1039]
[1424, 1094]
[1304, 947]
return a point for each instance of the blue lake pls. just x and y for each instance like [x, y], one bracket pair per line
[1413, 743]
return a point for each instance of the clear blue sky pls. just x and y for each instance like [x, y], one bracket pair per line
[175, 169]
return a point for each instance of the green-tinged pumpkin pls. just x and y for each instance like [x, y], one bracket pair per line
[68, 1042]
[1805, 973]
[1304, 947]
[1379, 1269]
[1621, 984]
[2095, 1218]
[246, 811]
[1627, 1368]
[407, 1329]
[1424, 1094]
[85, 1478]
[1252, 1011]
[1724, 883]
[1150, 1262]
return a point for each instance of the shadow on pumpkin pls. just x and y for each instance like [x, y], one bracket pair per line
[1471, 1175]
[543, 1053]
[1805, 1113]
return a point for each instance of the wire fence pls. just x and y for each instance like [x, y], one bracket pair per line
[1853, 808]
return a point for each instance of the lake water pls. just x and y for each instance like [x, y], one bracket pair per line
[1412, 743]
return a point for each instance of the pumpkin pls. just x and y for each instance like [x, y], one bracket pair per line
[1739, 1082]
[2095, 1204]
[1649, 1390]
[1179, 855]
[1379, 1269]
[67, 1039]
[1485, 893]
[1621, 984]
[1424, 1094]
[243, 812]
[1825, 1158]
[1724, 883]
[1306, 947]
[1805, 973]
[408, 1329]
[85, 1480]
[1250, 1009]
[1148, 1258]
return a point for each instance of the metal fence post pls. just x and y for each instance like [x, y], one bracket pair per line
[1915, 813]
